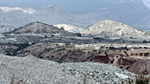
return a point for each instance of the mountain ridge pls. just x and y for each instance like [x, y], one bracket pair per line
[129, 12]
[40, 28]
[19, 16]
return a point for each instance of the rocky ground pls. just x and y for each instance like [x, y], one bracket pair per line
[32, 70]
[132, 57]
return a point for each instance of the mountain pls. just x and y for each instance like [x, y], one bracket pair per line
[144, 23]
[130, 12]
[110, 29]
[40, 28]
[20, 16]
[6, 28]
[35, 32]
[70, 28]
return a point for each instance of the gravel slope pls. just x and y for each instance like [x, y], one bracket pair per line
[32, 70]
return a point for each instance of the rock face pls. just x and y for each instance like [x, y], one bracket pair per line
[136, 65]
[116, 29]
[32, 70]
[6, 28]
[70, 28]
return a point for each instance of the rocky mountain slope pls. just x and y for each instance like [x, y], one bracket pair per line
[49, 72]
[36, 31]
[41, 28]
[111, 29]
[6, 28]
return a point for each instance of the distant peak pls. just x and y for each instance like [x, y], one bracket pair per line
[131, 1]
[37, 23]
[108, 21]
[134, 1]
[50, 5]
[8, 9]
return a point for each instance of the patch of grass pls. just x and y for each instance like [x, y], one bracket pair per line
[84, 79]
[118, 29]
[122, 34]
[17, 82]
[140, 79]
[12, 79]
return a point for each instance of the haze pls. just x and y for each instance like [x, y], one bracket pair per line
[71, 6]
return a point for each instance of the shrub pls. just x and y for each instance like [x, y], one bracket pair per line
[140, 79]
[18, 82]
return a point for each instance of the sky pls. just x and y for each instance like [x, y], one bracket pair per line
[147, 3]
[67, 5]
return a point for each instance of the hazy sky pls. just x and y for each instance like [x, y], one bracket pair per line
[147, 3]
[67, 5]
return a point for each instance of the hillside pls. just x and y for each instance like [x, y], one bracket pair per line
[37, 31]
[41, 28]
[110, 29]
[6, 28]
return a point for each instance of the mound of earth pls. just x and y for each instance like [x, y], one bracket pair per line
[31, 70]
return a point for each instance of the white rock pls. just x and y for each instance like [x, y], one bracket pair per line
[70, 28]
